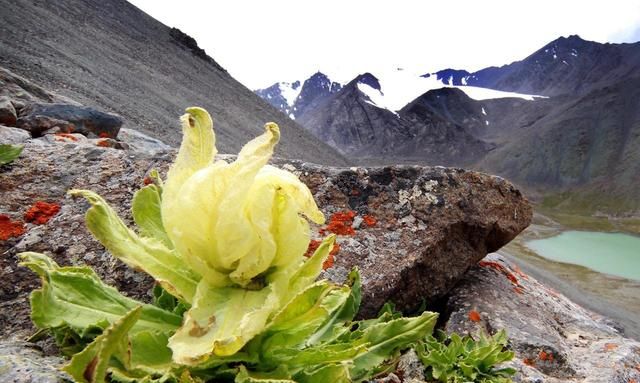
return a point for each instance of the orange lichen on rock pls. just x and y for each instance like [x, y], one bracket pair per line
[610, 346]
[340, 223]
[147, 181]
[9, 229]
[529, 362]
[104, 135]
[474, 316]
[313, 246]
[370, 220]
[41, 212]
[518, 271]
[103, 143]
[518, 290]
[65, 136]
[501, 269]
[544, 356]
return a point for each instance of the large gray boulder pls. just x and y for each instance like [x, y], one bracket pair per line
[412, 231]
[40, 117]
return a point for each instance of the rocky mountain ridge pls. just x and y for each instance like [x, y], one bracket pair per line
[577, 147]
[294, 99]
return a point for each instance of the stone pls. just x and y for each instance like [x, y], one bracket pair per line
[41, 125]
[555, 340]
[8, 114]
[140, 143]
[38, 117]
[427, 226]
[24, 362]
[422, 227]
[9, 135]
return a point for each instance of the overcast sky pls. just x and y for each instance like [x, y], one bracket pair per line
[261, 42]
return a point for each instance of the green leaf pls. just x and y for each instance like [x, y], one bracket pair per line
[145, 208]
[146, 254]
[9, 152]
[303, 316]
[90, 365]
[339, 323]
[76, 297]
[334, 373]
[277, 376]
[384, 339]
[221, 321]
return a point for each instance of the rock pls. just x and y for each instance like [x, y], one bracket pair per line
[422, 227]
[14, 136]
[19, 89]
[410, 367]
[7, 112]
[41, 125]
[554, 339]
[23, 362]
[427, 226]
[38, 117]
[140, 143]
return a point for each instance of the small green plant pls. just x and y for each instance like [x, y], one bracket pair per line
[455, 359]
[236, 299]
[9, 152]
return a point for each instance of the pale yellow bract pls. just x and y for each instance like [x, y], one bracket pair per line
[233, 221]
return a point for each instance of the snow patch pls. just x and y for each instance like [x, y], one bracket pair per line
[486, 122]
[464, 80]
[401, 87]
[289, 94]
[483, 111]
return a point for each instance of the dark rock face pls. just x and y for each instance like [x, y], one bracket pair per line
[38, 117]
[554, 339]
[450, 104]
[350, 122]
[416, 229]
[314, 90]
[8, 115]
[451, 76]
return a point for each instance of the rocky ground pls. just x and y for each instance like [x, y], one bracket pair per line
[416, 233]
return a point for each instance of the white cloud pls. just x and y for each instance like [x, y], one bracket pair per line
[261, 42]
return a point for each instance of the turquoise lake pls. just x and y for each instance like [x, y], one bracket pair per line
[611, 253]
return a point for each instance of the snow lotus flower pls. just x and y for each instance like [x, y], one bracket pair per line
[226, 243]
[227, 238]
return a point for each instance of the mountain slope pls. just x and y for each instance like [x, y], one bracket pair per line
[568, 65]
[585, 152]
[112, 55]
[351, 121]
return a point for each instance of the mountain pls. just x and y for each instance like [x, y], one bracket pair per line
[568, 65]
[282, 95]
[578, 147]
[111, 55]
[351, 121]
[293, 99]
[582, 154]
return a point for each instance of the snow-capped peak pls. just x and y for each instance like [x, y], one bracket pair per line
[290, 91]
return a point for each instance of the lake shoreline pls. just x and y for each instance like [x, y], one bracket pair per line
[610, 296]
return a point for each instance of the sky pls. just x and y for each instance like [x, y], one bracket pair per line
[263, 42]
